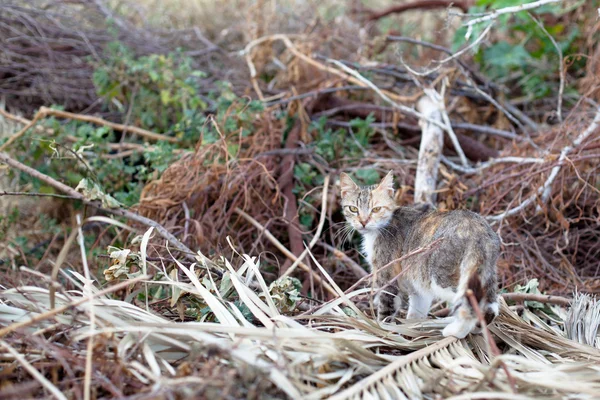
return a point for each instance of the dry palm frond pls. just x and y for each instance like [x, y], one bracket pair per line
[583, 320]
[318, 356]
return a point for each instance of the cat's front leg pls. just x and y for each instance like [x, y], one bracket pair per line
[419, 305]
[388, 302]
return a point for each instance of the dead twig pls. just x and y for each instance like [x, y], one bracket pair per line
[45, 112]
[116, 211]
[546, 189]
[319, 229]
[495, 352]
[507, 10]
[284, 250]
[421, 5]
[540, 298]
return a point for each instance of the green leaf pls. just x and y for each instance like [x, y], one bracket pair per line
[367, 176]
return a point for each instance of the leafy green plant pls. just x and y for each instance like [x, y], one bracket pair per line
[526, 55]
[158, 90]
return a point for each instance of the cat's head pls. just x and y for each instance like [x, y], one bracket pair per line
[368, 208]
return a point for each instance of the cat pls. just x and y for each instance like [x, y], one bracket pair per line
[465, 257]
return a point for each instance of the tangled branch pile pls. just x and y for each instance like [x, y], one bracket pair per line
[225, 154]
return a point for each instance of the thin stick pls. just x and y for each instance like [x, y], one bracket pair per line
[540, 298]
[319, 229]
[58, 196]
[284, 250]
[454, 56]
[44, 112]
[493, 161]
[495, 352]
[20, 133]
[87, 290]
[116, 211]
[357, 269]
[50, 313]
[561, 66]
[546, 189]
[33, 371]
[507, 10]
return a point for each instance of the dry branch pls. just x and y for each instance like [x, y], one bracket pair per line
[546, 189]
[285, 251]
[429, 153]
[45, 112]
[116, 211]
[507, 10]
[421, 5]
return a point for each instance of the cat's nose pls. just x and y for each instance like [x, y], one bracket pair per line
[363, 223]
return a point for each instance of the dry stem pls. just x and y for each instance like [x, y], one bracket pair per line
[284, 250]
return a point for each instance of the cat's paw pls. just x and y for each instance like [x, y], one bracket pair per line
[459, 328]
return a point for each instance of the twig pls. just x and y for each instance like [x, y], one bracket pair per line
[33, 371]
[489, 339]
[59, 196]
[486, 129]
[507, 10]
[116, 211]
[285, 39]
[87, 291]
[315, 238]
[540, 298]
[453, 56]
[286, 183]
[55, 311]
[357, 269]
[494, 161]
[44, 112]
[546, 189]
[284, 250]
[420, 5]
[561, 66]
[20, 133]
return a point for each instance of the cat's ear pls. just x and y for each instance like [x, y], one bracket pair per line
[387, 184]
[347, 184]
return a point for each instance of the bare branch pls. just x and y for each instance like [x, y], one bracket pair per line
[507, 10]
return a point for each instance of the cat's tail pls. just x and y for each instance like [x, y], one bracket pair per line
[465, 319]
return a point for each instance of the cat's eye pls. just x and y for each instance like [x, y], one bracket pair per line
[376, 209]
[353, 209]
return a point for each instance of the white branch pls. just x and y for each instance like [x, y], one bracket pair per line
[494, 161]
[546, 189]
[565, 152]
[508, 10]
[438, 100]
[430, 151]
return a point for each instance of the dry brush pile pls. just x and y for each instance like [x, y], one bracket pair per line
[232, 275]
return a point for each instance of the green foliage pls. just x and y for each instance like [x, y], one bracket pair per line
[8, 221]
[334, 145]
[526, 56]
[158, 90]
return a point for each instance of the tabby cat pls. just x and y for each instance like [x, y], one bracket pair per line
[465, 257]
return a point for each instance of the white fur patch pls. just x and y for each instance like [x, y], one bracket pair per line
[443, 294]
[368, 246]
[495, 308]
[459, 328]
[397, 303]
